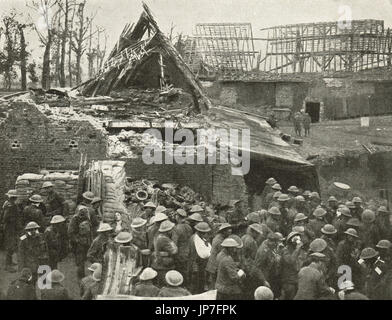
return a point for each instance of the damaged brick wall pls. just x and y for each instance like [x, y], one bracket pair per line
[31, 141]
[214, 182]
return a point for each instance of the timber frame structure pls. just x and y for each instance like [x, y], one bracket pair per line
[224, 46]
[327, 46]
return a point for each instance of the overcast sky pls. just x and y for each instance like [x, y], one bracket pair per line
[114, 14]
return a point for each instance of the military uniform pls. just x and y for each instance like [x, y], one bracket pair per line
[316, 225]
[173, 292]
[97, 249]
[32, 252]
[249, 247]
[228, 282]
[13, 226]
[54, 204]
[31, 213]
[196, 268]
[57, 292]
[212, 265]
[85, 283]
[143, 289]
[91, 291]
[21, 289]
[369, 235]
[311, 284]
[347, 253]
[53, 240]
[182, 232]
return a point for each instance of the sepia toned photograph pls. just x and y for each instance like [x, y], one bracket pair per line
[204, 150]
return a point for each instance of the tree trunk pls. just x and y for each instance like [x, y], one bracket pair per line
[23, 56]
[78, 68]
[63, 45]
[46, 64]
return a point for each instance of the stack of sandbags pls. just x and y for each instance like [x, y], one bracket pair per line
[115, 179]
[65, 184]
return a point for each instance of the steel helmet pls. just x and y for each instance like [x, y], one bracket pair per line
[138, 222]
[222, 227]
[148, 274]
[166, 226]
[277, 194]
[174, 278]
[353, 222]
[293, 189]
[329, 229]
[283, 197]
[300, 217]
[229, 243]
[253, 217]
[32, 225]
[357, 200]
[274, 211]
[96, 200]
[160, 209]
[306, 193]
[12, 194]
[123, 237]
[318, 255]
[384, 244]
[181, 212]
[351, 232]
[95, 266]
[88, 195]
[277, 186]
[319, 212]
[56, 276]
[237, 239]
[203, 227]
[299, 229]
[104, 227]
[57, 219]
[159, 217]
[271, 181]
[196, 208]
[36, 198]
[264, 293]
[257, 227]
[350, 205]
[345, 212]
[383, 210]
[318, 245]
[368, 216]
[150, 205]
[368, 253]
[314, 195]
[196, 217]
[47, 184]
[300, 198]
[332, 199]
[292, 234]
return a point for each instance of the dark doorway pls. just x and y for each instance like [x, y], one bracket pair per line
[313, 108]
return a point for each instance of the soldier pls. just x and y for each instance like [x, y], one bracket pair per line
[384, 249]
[96, 204]
[254, 232]
[56, 291]
[93, 288]
[358, 209]
[307, 235]
[182, 232]
[236, 217]
[54, 202]
[283, 208]
[88, 280]
[293, 257]
[22, 288]
[307, 121]
[292, 192]
[164, 250]
[331, 209]
[348, 292]
[174, 280]
[223, 232]
[274, 202]
[87, 199]
[318, 222]
[228, 281]
[267, 189]
[329, 232]
[311, 283]
[274, 219]
[383, 224]
[270, 196]
[54, 241]
[152, 231]
[368, 230]
[12, 224]
[199, 252]
[32, 251]
[148, 210]
[314, 201]
[99, 245]
[33, 213]
[347, 253]
[343, 214]
[297, 122]
[146, 288]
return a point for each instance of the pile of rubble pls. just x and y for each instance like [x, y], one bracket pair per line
[65, 184]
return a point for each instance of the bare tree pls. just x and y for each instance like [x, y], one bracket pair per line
[48, 12]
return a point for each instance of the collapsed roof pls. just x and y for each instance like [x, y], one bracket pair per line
[135, 48]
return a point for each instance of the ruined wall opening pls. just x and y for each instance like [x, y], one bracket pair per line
[313, 108]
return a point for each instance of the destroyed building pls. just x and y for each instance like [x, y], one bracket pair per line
[144, 84]
[331, 72]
